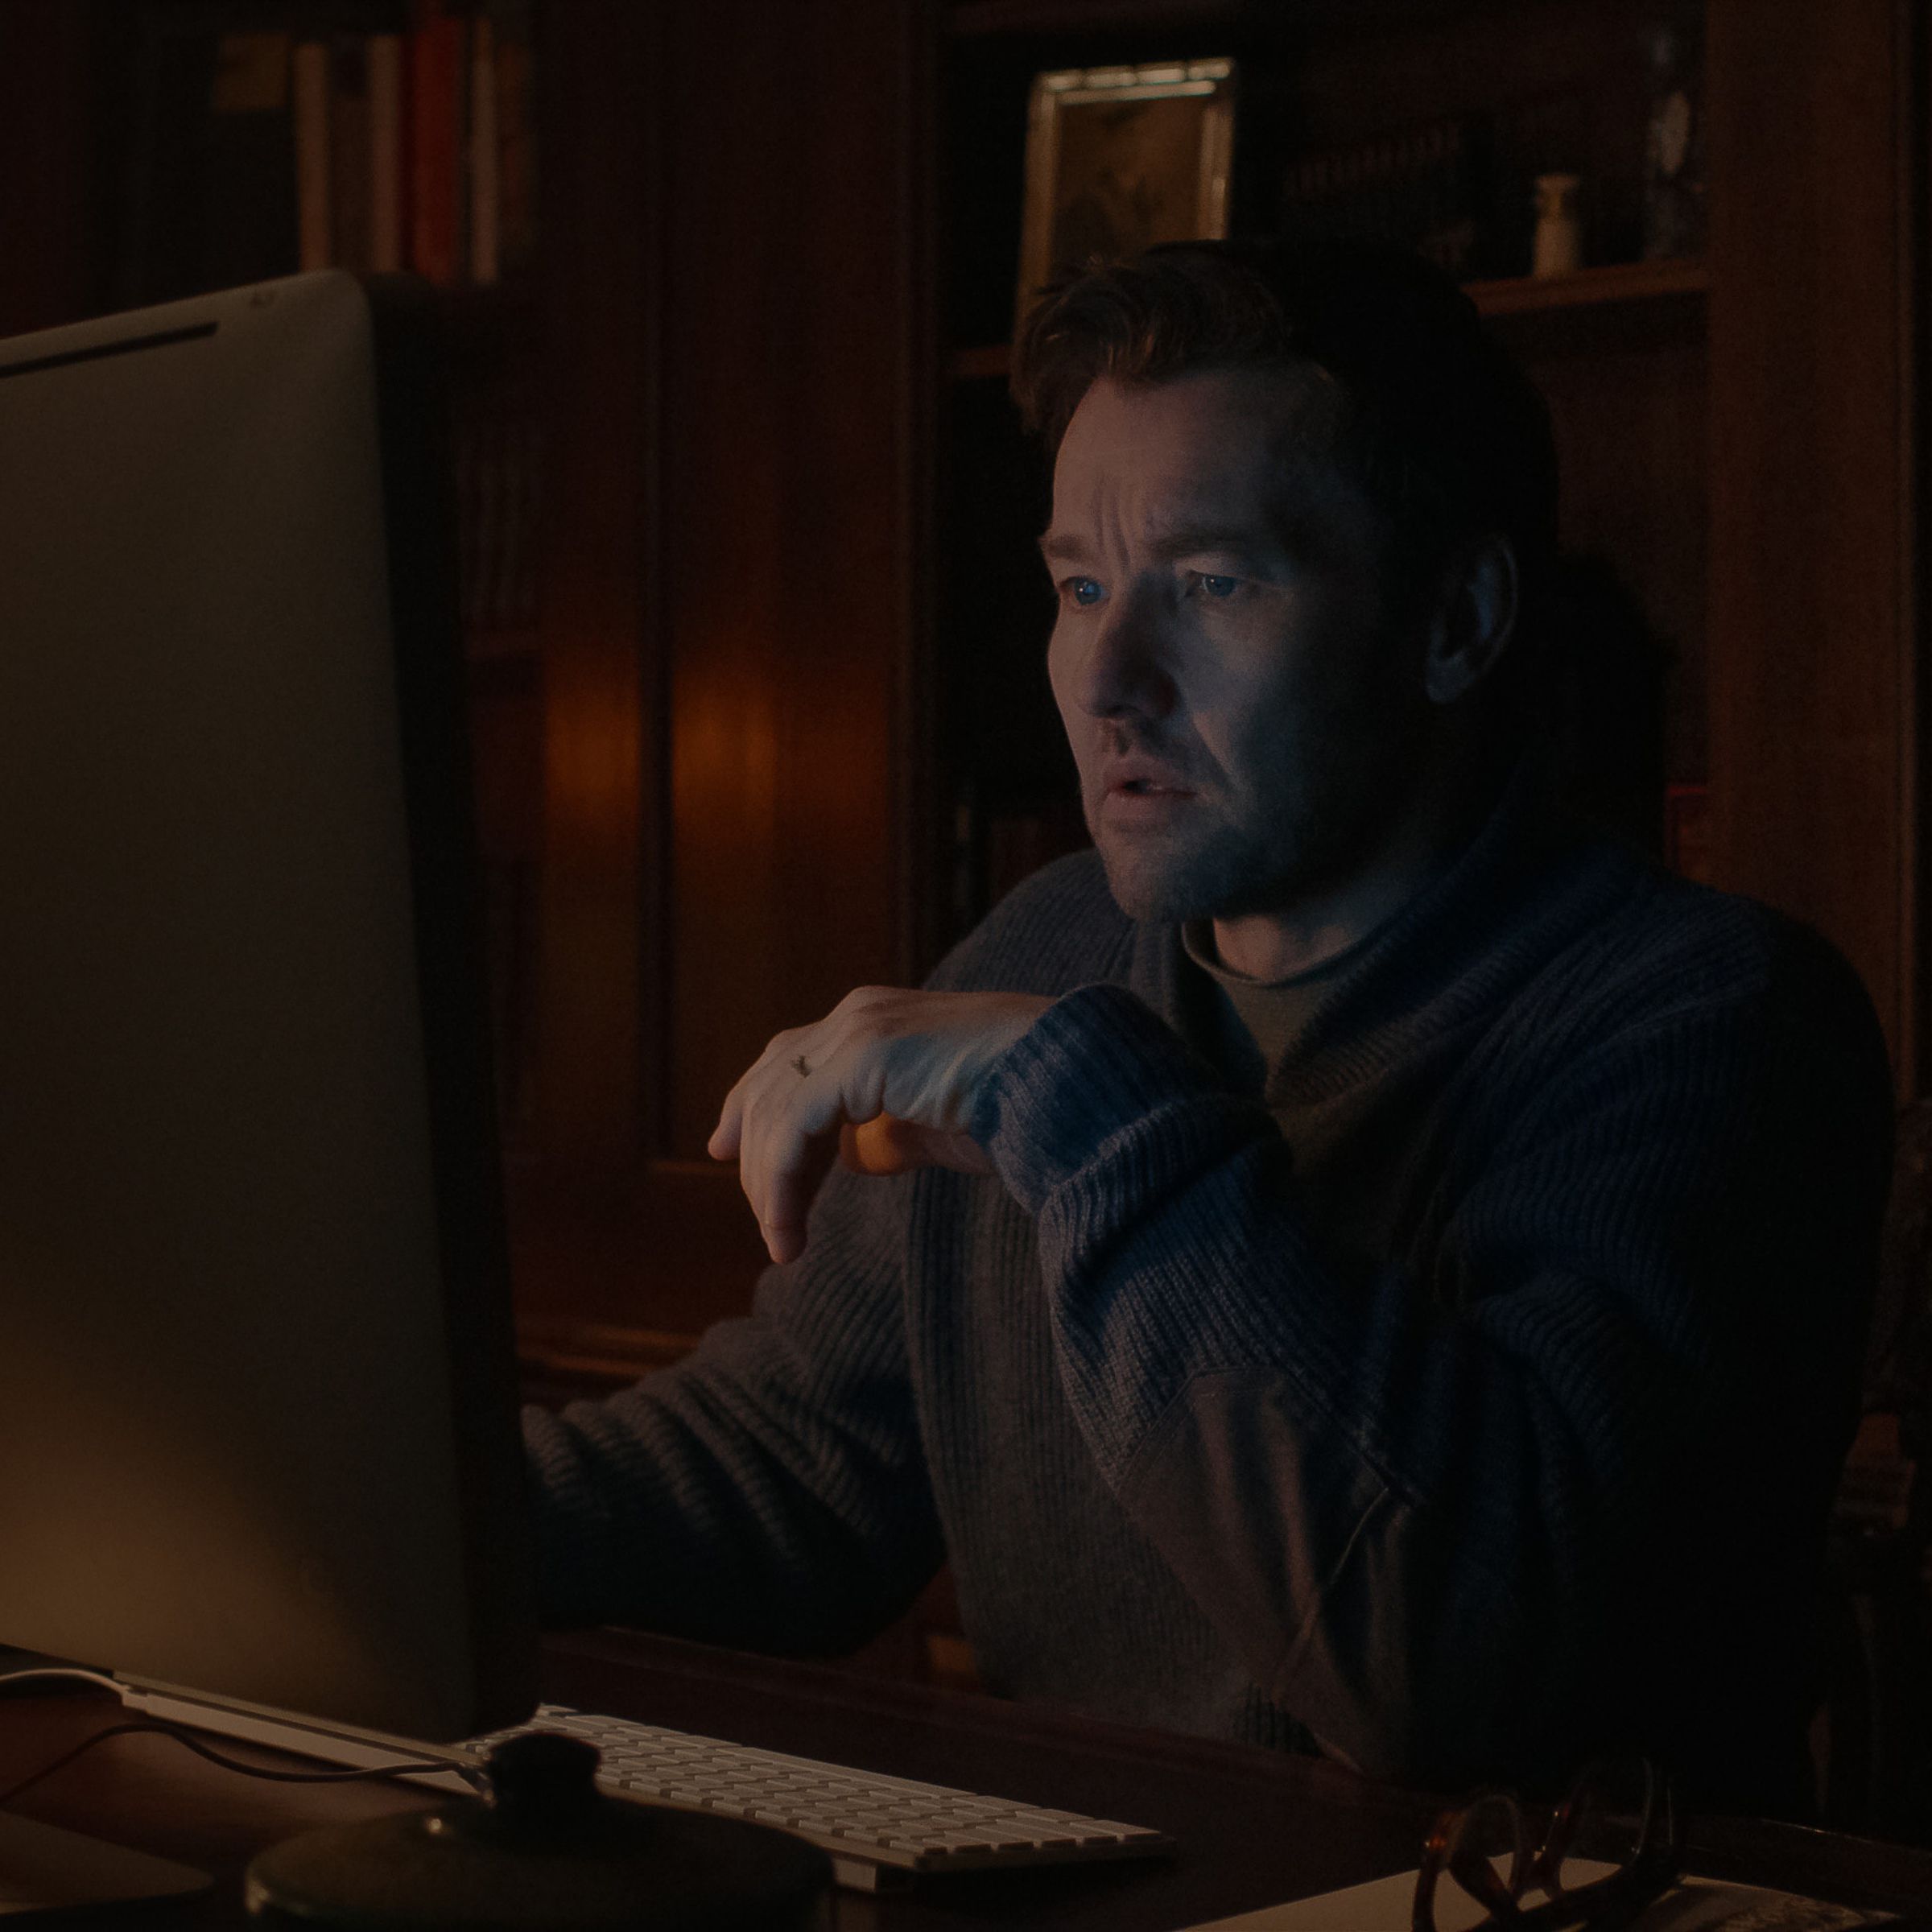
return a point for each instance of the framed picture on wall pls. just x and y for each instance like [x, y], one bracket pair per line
[1119, 158]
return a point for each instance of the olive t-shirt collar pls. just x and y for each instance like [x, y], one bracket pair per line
[1255, 1020]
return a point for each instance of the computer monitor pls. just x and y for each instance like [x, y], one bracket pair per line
[257, 1403]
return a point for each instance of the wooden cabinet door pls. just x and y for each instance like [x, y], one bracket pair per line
[1818, 170]
[731, 267]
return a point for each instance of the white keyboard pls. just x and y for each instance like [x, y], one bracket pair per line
[857, 1816]
[876, 1829]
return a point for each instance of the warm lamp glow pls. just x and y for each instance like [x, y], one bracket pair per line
[724, 762]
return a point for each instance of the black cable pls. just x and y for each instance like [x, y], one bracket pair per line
[183, 1736]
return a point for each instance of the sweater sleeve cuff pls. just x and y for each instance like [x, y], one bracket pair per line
[1094, 1062]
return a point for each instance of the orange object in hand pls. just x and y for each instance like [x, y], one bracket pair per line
[888, 1145]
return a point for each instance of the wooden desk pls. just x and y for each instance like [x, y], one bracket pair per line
[1253, 1827]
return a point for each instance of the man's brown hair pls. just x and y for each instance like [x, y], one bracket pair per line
[1445, 435]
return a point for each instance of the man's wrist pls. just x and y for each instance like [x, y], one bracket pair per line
[1095, 1061]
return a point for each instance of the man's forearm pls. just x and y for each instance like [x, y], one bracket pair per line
[770, 1491]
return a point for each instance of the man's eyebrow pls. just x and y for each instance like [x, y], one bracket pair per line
[1195, 540]
[1179, 540]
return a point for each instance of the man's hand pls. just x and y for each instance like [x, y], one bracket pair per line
[888, 1078]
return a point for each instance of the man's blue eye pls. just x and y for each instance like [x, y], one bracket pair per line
[1217, 588]
[1084, 590]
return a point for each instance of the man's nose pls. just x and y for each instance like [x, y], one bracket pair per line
[1123, 668]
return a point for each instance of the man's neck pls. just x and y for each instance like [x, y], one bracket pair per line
[1278, 945]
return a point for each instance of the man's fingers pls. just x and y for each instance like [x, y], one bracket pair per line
[790, 1169]
[787, 1139]
[782, 1050]
[728, 1135]
[723, 1145]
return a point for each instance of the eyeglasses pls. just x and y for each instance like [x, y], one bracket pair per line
[1611, 1849]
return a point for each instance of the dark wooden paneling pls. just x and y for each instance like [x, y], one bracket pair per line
[733, 228]
[600, 76]
[788, 529]
[1813, 523]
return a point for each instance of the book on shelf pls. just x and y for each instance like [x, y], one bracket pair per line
[1427, 187]
[516, 135]
[484, 265]
[473, 146]
[438, 78]
[255, 153]
[351, 174]
[387, 128]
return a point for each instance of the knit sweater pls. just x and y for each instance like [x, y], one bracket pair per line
[1467, 1402]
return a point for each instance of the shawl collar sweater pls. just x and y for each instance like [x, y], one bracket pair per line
[1466, 1403]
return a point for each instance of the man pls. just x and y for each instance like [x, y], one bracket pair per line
[1347, 1264]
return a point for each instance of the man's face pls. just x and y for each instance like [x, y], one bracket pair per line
[1242, 709]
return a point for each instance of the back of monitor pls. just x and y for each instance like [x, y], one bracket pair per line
[257, 1404]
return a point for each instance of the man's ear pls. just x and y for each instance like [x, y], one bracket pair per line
[1474, 620]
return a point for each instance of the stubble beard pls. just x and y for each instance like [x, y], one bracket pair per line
[1323, 819]
[1223, 870]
